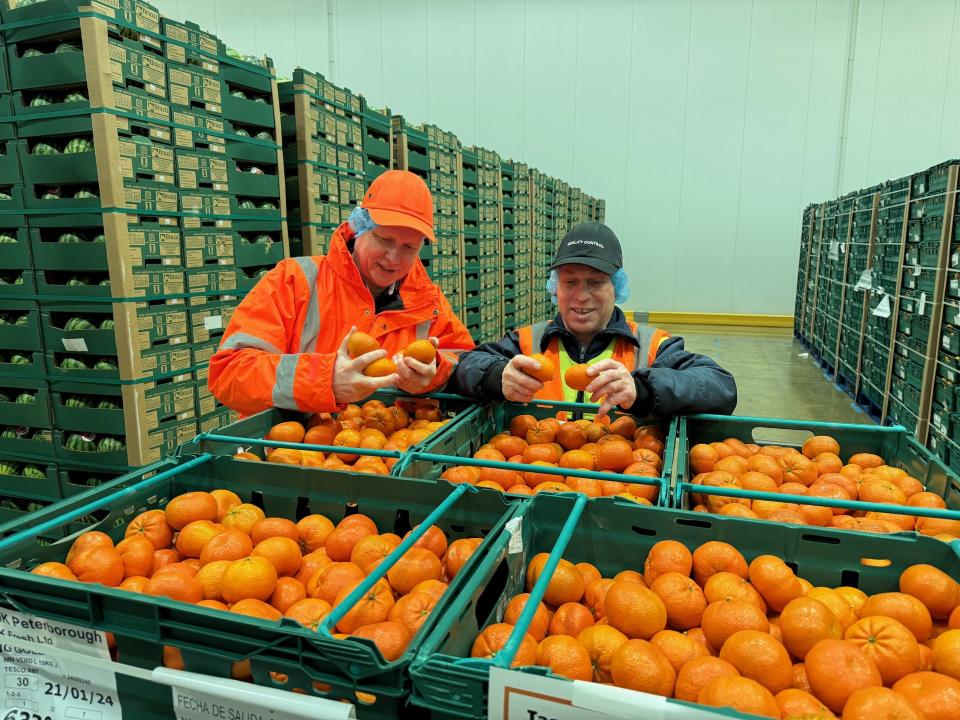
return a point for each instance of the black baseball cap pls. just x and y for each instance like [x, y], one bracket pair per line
[593, 244]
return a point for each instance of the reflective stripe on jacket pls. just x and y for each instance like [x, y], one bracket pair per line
[281, 344]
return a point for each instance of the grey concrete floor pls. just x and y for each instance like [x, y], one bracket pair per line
[774, 376]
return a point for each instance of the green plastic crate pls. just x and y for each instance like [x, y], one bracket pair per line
[457, 444]
[20, 328]
[894, 444]
[210, 641]
[29, 486]
[615, 536]
[33, 414]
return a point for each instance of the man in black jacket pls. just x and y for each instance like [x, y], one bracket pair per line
[640, 369]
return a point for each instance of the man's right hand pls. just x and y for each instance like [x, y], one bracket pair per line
[516, 384]
[349, 383]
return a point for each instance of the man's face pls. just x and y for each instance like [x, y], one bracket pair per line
[586, 299]
[385, 254]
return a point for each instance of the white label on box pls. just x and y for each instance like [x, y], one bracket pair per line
[201, 697]
[834, 253]
[915, 270]
[883, 308]
[843, 248]
[75, 344]
[46, 686]
[923, 303]
[514, 527]
[865, 281]
[213, 322]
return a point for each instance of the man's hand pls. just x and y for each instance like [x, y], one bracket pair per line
[612, 385]
[516, 384]
[415, 376]
[349, 382]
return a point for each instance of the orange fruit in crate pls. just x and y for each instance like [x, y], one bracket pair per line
[939, 592]
[697, 673]
[521, 424]
[341, 541]
[252, 577]
[638, 665]
[152, 525]
[759, 656]
[312, 532]
[936, 696]
[99, 564]
[804, 622]
[595, 594]
[282, 552]
[256, 608]
[565, 656]
[774, 580]
[273, 527]
[137, 555]
[493, 637]
[798, 468]
[458, 553]
[545, 372]
[285, 456]
[415, 566]
[374, 606]
[422, 351]
[667, 556]
[380, 368]
[226, 500]
[873, 703]
[614, 456]
[836, 669]
[310, 563]
[189, 507]
[433, 540]
[136, 583]
[327, 582]
[540, 623]
[192, 538]
[54, 570]
[309, 612]
[946, 654]
[715, 556]
[739, 693]
[683, 599]
[820, 444]
[601, 642]
[87, 540]
[566, 584]
[412, 610]
[724, 618]
[370, 551]
[866, 460]
[175, 585]
[360, 343]
[391, 638]
[291, 432]
[795, 701]
[903, 608]
[890, 645]
[677, 648]
[570, 619]
[210, 577]
[634, 610]
[242, 517]
[571, 436]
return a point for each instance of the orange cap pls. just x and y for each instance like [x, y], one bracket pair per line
[400, 198]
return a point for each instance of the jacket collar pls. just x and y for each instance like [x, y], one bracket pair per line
[616, 327]
[415, 289]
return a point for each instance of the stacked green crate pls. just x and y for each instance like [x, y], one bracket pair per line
[493, 278]
[323, 157]
[523, 242]
[806, 233]
[444, 259]
[830, 288]
[882, 302]
[810, 308]
[856, 285]
[236, 130]
[544, 244]
[470, 198]
[561, 209]
[377, 141]
[931, 190]
[508, 222]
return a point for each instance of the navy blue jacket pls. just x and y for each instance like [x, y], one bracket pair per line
[678, 383]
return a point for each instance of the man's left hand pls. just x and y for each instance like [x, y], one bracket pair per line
[415, 376]
[612, 385]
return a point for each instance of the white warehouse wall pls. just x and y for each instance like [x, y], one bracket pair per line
[706, 125]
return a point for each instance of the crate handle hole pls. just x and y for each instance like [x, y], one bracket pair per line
[256, 498]
[303, 508]
[825, 539]
[695, 523]
[491, 594]
[850, 578]
[649, 532]
[876, 562]
[780, 436]
[401, 523]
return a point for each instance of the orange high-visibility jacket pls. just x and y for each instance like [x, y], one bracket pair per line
[624, 352]
[280, 347]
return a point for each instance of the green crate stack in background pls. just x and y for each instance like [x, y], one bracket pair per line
[125, 270]
[806, 233]
[444, 259]
[544, 244]
[470, 199]
[490, 243]
[509, 234]
[324, 161]
[377, 141]
[523, 243]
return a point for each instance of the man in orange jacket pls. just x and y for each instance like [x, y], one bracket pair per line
[286, 345]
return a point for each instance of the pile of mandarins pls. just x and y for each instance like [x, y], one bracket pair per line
[708, 627]
[373, 425]
[213, 550]
[601, 445]
[815, 471]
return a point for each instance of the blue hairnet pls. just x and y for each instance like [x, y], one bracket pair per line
[361, 221]
[621, 286]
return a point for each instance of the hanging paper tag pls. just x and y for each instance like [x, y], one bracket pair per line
[923, 303]
[915, 270]
[75, 344]
[883, 309]
[843, 248]
[865, 281]
[834, 253]
[213, 322]
[516, 537]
